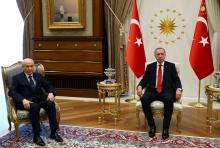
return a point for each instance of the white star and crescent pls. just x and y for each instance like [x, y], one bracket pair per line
[204, 41]
[203, 20]
[138, 42]
[136, 22]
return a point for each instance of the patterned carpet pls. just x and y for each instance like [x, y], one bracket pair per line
[104, 138]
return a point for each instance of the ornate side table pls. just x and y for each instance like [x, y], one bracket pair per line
[212, 93]
[103, 90]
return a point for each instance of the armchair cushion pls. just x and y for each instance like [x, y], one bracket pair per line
[23, 114]
[158, 105]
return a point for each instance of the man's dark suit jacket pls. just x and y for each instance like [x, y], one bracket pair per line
[171, 80]
[21, 88]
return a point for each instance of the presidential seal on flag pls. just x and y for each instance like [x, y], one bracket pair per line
[167, 26]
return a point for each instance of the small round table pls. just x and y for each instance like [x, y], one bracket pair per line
[105, 89]
[212, 93]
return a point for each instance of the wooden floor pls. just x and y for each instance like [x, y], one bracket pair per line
[85, 114]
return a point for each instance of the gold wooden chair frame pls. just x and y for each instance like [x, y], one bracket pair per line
[20, 116]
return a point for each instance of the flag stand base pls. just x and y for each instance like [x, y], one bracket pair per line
[133, 100]
[198, 104]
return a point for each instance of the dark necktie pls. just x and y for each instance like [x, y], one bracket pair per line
[159, 79]
[31, 82]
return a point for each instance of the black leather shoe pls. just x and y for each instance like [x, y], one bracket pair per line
[152, 131]
[38, 140]
[56, 137]
[165, 134]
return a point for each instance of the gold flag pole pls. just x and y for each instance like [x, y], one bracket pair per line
[198, 104]
[133, 100]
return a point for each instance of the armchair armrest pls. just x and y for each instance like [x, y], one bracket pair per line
[12, 110]
[179, 101]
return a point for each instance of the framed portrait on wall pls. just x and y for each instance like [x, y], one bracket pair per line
[66, 14]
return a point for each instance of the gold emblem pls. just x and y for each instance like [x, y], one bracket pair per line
[167, 26]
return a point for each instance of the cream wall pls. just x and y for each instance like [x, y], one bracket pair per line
[11, 49]
[178, 52]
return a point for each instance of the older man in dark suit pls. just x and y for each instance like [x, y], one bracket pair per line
[27, 90]
[162, 83]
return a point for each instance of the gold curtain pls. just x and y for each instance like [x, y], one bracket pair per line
[116, 42]
[27, 13]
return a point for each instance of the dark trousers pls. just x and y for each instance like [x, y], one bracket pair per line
[34, 111]
[166, 97]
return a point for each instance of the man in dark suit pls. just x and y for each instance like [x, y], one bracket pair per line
[161, 82]
[28, 91]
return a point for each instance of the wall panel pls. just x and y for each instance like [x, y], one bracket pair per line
[74, 64]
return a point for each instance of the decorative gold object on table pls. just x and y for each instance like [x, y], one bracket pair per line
[110, 73]
[212, 93]
[115, 90]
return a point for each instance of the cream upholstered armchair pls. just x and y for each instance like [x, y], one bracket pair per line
[20, 116]
[158, 107]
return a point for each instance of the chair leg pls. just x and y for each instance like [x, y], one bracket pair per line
[138, 117]
[17, 131]
[179, 119]
[9, 122]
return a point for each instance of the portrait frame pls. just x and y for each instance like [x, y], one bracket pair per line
[60, 14]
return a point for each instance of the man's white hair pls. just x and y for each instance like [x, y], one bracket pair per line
[26, 60]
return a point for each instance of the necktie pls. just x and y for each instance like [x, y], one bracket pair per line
[31, 82]
[159, 79]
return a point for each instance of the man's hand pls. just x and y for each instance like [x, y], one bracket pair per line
[178, 94]
[51, 97]
[26, 103]
[139, 91]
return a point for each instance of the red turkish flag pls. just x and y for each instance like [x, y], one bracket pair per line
[135, 51]
[201, 54]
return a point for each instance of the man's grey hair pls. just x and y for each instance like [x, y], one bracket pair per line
[158, 49]
[27, 60]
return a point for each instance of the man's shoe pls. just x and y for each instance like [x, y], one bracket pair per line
[56, 137]
[38, 140]
[165, 134]
[152, 131]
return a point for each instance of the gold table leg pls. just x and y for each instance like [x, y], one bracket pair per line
[209, 112]
[104, 108]
[101, 106]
